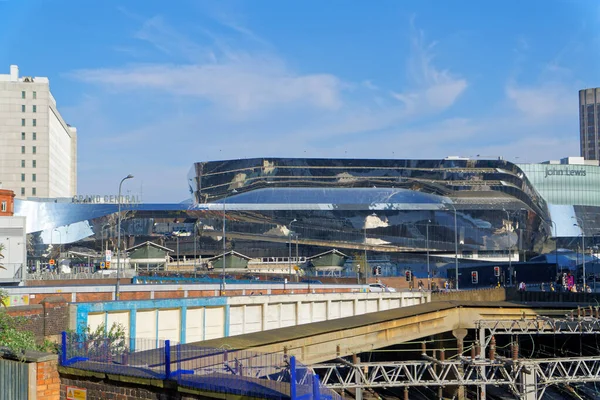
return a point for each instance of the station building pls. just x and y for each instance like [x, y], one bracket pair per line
[287, 209]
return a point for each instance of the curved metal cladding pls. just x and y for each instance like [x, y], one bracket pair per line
[336, 198]
[449, 177]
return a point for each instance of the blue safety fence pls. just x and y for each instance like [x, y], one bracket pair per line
[165, 280]
[237, 372]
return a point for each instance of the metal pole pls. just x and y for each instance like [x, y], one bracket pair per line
[583, 256]
[118, 288]
[177, 251]
[290, 249]
[428, 270]
[224, 249]
[510, 271]
[366, 261]
[455, 244]
[195, 248]
[581, 226]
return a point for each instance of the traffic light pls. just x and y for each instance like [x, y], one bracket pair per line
[374, 270]
[496, 271]
[408, 274]
[378, 268]
[474, 277]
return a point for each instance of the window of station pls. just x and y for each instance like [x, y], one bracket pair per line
[34, 122]
[35, 95]
[22, 121]
[22, 191]
[23, 108]
[22, 135]
[22, 163]
[34, 149]
[34, 109]
[34, 136]
[33, 191]
[23, 94]
[33, 177]
[33, 163]
[3, 209]
[22, 149]
[22, 177]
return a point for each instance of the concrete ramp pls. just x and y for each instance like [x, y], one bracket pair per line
[323, 341]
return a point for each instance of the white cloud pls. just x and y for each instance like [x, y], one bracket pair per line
[543, 101]
[253, 84]
[434, 88]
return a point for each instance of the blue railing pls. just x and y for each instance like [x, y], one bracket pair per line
[238, 372]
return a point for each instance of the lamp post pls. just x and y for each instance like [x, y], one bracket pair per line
[581, 226]
[455, 243]
[510, 271]
[224, 243]
[290, 247]
[104, 230]
[428, 269]
[118, 288]
[555, 246]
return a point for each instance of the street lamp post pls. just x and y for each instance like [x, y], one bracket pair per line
[118, 288]
[290, 248]
[455, 244]
[428, 269]
[581, 226]
[510, 271]
[555, 246]
[224, 243]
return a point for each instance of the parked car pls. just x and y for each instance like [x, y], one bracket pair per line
[380, 287]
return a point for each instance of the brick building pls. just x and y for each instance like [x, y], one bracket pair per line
[7, 203]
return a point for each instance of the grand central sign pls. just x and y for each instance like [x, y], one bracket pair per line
[106, 199]
[564, 172]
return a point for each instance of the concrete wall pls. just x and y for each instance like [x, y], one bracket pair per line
[491, 294]
[188, 320]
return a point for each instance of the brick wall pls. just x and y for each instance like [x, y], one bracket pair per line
[46, 320]
[48, 380]
[101, 387]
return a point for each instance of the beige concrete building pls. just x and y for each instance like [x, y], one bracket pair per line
[589, 123]
[38, 149]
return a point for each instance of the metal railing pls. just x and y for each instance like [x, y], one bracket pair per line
[238, 372]
[11, 272]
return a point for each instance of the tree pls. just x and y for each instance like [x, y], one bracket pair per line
[14, 336]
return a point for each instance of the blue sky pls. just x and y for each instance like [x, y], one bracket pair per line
[154, 86]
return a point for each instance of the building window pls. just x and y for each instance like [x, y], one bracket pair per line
[22, 135]
[33, 191]
[22, 177]
[23, 94]
[34, 163]
[3, 209]
[35, 95]
[34, 108]
[34, 136]
[33, 178]
[22, 191]
[23, 108]
[22, 163]
[22, 149]
[34, 122]
[22, 121]
[33, 149]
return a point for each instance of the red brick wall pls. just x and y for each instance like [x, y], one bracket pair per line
[48, 380]
[101, 389]
[46, 320]
[7, 196]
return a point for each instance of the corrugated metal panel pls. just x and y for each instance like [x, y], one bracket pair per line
[14, 380]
